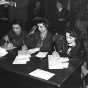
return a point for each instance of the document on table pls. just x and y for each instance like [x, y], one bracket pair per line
[41, 54]
[31, 51]
[39, 73]
[57, 62]
[21, 59]
[3, 52]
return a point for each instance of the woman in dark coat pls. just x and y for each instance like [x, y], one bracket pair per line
[16, 35]
[68, 44]
[39, 37]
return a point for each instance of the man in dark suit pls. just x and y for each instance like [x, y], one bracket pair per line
[63, 18]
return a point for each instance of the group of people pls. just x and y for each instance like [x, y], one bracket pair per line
[41, 39]
[66, 39]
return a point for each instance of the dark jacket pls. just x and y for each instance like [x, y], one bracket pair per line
[17, 41]
[33, 40]
[62, 47]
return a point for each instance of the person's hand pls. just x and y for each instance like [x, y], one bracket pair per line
[56, 54]
[33, 29]
[84, 69]
[6, 38]
[24, 50]
[21, 52]
[10, 45]
[24, 47]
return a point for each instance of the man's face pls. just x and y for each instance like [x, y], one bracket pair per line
[70, 39]
[58, 5]
[41, 27]
[16, 28]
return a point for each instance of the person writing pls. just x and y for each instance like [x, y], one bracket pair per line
[39, 39]
[15, 37]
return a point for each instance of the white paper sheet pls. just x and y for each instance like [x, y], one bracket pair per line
[21, 59]
[57, 62]
[39, 73]
[3, 52]
[41, 54]
[31, 51]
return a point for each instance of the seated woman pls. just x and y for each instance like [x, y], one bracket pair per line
[15, 37]
[39, 39]
[68, 45]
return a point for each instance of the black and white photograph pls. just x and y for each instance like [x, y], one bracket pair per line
[43, 43]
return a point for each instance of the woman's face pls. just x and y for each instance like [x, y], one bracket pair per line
[70, 39]
[16, 28]
[41, 27]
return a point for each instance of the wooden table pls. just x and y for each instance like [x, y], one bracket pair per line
[18, 74]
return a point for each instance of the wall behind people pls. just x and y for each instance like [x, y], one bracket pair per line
[54, 15]
[36, 9]
[21, 10]
[4, 27]
[3, 20]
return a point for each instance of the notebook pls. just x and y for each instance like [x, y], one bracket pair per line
[42, 74]
[21, 59]
[57, 62]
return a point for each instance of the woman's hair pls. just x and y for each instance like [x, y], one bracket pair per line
[37, 20]
[43, 20]
[72, 32]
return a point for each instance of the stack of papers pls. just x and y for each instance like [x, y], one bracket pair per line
[39, 73]
[3, 52]
[21, 59]
[57, 62]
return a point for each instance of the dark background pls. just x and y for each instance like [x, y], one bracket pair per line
[24, 11]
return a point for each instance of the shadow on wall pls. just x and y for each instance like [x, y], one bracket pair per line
[20, 12]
